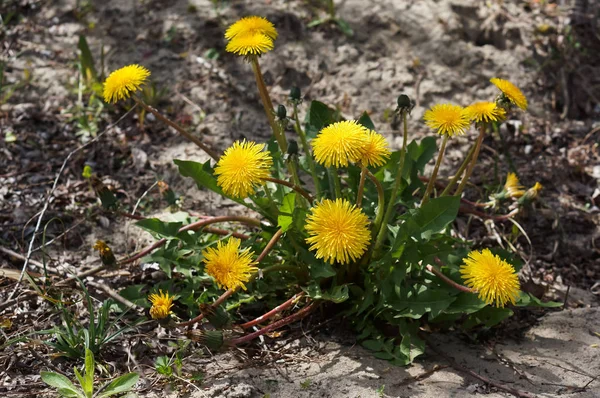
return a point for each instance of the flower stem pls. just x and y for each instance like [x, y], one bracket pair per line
[449, 281]
[463, 182]
[361, 186]
[291, 185]
[459, 172]
[267, 104]
[336, 182]
[274, 326]
[309, 159]
[381, 202]
[273, 312]
[436, 168]
[179, 129]
[390, 207]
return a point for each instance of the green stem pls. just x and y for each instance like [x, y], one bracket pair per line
[435, 171]
[336, 182]
[381, 202]
[309, 159]
[459, 172]
[267, 104]
[463, 182]
[390, 207]
[361, 186]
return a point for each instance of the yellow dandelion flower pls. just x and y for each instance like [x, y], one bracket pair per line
[513, 187]
[485, 112]
[161, 304]
[254, 44]
[376, 151]
[106, 253]
[493, 278]
[230, 267]
[533, 192]
[122, 82]
[251, 25]
[242, 168]
[447, 119]
[340, 143]
[511, 92]
[338, 231]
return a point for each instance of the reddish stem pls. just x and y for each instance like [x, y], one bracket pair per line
[273, 312]
[191, 227]
[275, 325]
[449, 281]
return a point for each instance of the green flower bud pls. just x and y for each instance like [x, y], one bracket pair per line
[292, 148]
[295, 94]
[281, 112]
[404, 102]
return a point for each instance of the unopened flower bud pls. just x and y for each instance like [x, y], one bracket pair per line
[295, 94]
[281, 112]
[404, 102]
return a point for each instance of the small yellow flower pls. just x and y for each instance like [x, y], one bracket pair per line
[513, 187]
[485, 112]
[242, 168]
[106, 254]
[376, 152]
[230, 267]
[338, 231]
[448, 119]
[493, 278]
[122, 82]
[161, 304]
[253, 44]
[340, 143]
[251, 25]
[511, 92]
[533, 192]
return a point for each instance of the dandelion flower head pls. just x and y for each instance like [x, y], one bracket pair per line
[254, 44]
[447, 119]
[242, 168]
[513, 186]
[340, 143]
[161, 304]
[493, 278]
[376, 151]
[511, 92]
[250, 26]
[485, 112]
[228, 265]
[121, 83]
[338, 231]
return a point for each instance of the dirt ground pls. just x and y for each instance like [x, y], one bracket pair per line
[433, 51]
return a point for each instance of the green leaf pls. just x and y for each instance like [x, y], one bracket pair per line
[88, 388]
[366, 121]
[161, 228]
[416, 303]
[434, 216]
[86, 60]
[286, 211]
[120, 385]
[62, 383]
[344, 27]
[338, 294]
[373, 345]
[134, 294]
[529, 300]
[321, 270]
[465, 303]
[319, 115]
